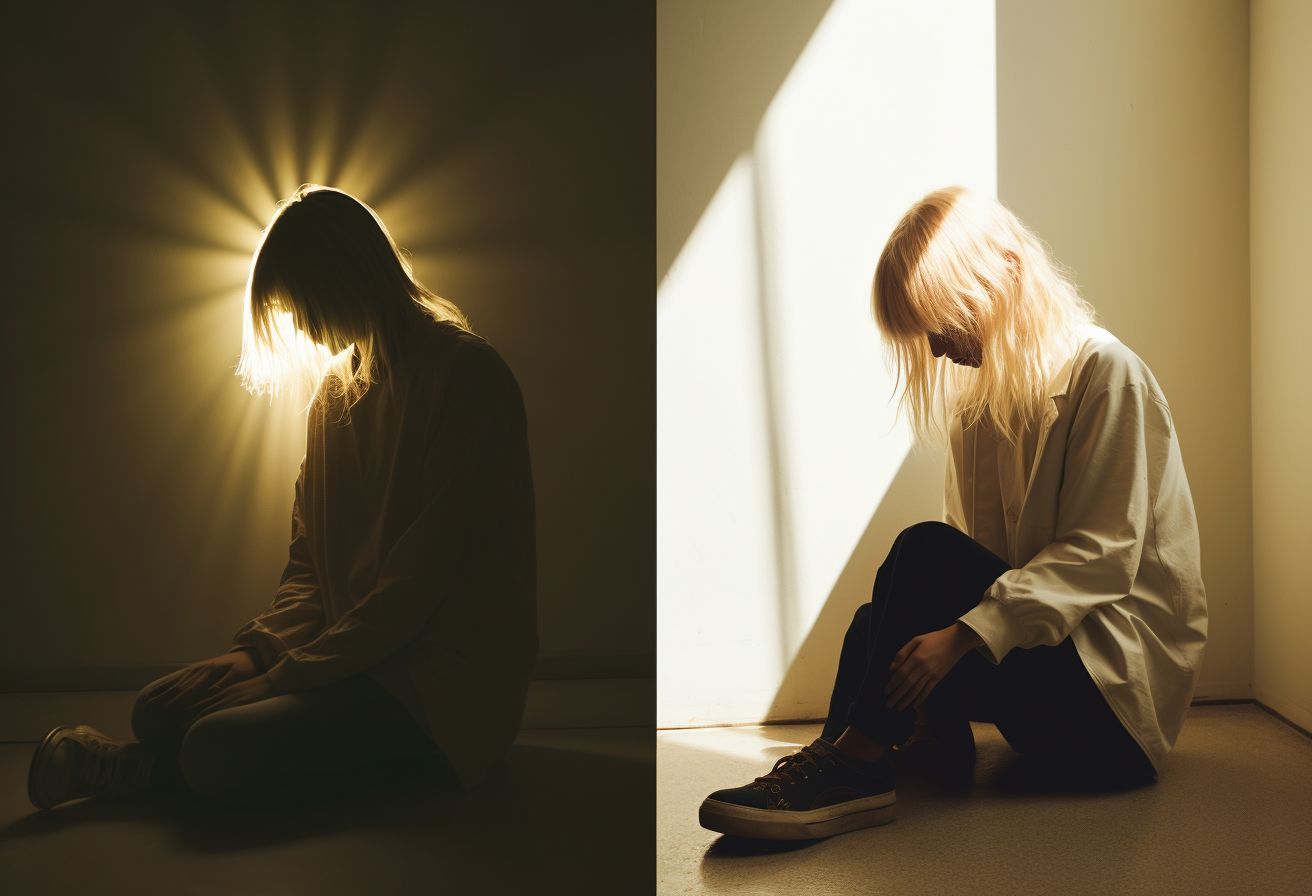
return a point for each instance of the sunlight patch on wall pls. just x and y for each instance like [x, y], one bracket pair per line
[715, 519]
[778, 438]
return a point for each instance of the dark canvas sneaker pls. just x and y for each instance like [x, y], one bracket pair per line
[813, 793]
[80, 761]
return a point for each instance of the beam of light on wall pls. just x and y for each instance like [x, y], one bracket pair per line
[715, 519]
[778, 441]
[202, 213]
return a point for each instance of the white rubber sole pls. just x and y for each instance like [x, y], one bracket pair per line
[786, 824]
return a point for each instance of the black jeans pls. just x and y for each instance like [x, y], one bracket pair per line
[1041, 699]
[289, 748]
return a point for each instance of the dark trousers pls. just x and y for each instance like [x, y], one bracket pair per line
[1041, 699]
[291, 748]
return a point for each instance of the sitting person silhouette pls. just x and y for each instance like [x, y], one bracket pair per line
[404, 627]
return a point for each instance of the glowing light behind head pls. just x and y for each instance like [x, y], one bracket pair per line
[281, 360]
[198, 250]
[287, 364]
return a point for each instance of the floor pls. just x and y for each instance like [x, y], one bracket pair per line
[1231, 813]
[542, 829]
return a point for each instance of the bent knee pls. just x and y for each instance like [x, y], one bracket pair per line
[210, 758]
[154, 725]
[928, 528]
[927, 533]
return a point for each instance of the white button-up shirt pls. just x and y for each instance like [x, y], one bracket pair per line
[1094, 512]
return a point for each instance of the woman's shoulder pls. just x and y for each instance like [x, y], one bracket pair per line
[464, 360]
[442, 343]
[1108, 363]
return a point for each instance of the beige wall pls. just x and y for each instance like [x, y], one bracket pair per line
[1122, 139]
[146, 496]
[1281, 185]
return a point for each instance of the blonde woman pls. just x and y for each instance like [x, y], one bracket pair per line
[1062, 600]
[404, 626]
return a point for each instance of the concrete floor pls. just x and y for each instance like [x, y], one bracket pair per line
[1231, 813]
[574, 814]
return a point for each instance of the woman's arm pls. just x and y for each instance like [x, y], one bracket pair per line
[295, 617]
[1115, 456]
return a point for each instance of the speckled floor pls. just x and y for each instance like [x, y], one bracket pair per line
[574, 814]
[1231, 813]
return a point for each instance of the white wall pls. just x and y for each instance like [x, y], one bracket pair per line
[1122, 139]
[1117, 130]
[1280, 146]
[782, 473]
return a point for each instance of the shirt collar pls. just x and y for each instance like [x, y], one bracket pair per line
[1060, 383]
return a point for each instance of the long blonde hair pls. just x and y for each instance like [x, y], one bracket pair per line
[961, 263]
[328, 299]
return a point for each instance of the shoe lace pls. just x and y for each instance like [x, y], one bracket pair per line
[788, 769]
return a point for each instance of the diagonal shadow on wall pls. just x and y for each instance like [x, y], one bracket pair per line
[741, 53]
[912, 496]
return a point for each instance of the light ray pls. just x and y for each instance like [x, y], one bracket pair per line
[184, 224]
[226, 153]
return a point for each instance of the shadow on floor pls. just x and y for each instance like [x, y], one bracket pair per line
[208, 827]
[1230, 814]
[542, 799]
[1000, 773]
[999, 769]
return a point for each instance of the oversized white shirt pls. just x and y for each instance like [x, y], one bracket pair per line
[1094, 511]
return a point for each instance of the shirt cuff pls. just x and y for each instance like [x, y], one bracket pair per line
[266, 646]
[991, 621]
[254, 652]
[282, 677]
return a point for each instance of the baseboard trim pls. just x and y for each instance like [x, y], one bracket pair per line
[584, 666]
[1221, 691]
[591, 703]
[1204, 701]
[561, 666]
[551, 703]
[1205, 692]
[1284, 709]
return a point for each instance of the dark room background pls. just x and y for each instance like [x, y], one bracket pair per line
[509, 148]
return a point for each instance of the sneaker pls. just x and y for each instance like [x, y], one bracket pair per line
[944, 748]
[813, 793]
[81, 761]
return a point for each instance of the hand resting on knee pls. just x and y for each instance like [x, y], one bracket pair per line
[203, 678]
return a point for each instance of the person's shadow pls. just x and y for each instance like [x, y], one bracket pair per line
[397, 794]
[529, 795]
[1001, 774]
